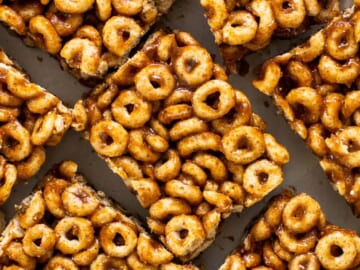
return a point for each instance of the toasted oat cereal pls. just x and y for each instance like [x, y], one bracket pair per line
[241, 27]
[315, 85]
[66, 224]
[182, 139]
[31, 118]
[89, 37]
[293, 234]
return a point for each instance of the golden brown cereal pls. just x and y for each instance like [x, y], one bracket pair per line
[89, 37]
[190, 145]
[299, 239]
[98, 235]
[315, 86]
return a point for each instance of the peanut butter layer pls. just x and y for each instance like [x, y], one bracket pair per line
[315, 86]
[31, 118]
[243, 27]
[65, 224]
[182, 139]
[89, 37]
[293, 233]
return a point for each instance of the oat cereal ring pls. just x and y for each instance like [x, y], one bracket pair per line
[294, 243]
[339, 260]
[240, 28]
[331, 112]
[342, 143]
[41, 233]
[91, 33]
[222, 202]
[74, 234]
[261, 177]
[139, 148]
[340, 73]
[15, 140]
[87, 256]
[234, 191]
[213, 99]
[104, 262]
[269, 79]
[7, 99]
[13, 19]
[126, 167]
[281, 252]
[79, 200]
[129, 8]
[275, 151]
[239, 115]
[289, 14]
[65, 24]
[28, 9]
[312, 48]
[340, 40]
[60, 262]
[193, 65]
[199, 142]
[233, 262]
[301, 214]
[80, 6]
[155, 82]
[243, 144]
[168, 167]
[103, 9]
[147, 191]
[216, 13]
[175, 112]
[8, 181]
[102, 216]
[108, 239]
[351, 103]
[308, 259]
[16, 253]
[308, 99]
[150, 251]
[187, 127]
[316, 139]
[130, 110]
[184, 234]
[168, 207]
[109, 138]
[270, 257]
[82, 54]
[190, 193]
[300, 73]
[213, 164]
[134, 262]
[120, 33]
[43, 128]
[196, 173]
[45, 34]
[34, 212]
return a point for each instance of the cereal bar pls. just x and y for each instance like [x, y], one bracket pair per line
[293, 234]
[66, 224]
[244, 26]
[315, 85]
[89, 37]
[30, 119]
[182, 139]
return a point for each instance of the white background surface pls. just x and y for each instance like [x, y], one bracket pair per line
[303, 171]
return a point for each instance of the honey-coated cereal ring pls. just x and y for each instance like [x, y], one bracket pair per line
[168, 169]
[130, 110]
[45, 34]
[252, 144]
[233, 262]
[187, 127]
[155, 82]
[199, 142]
[308, 259]
[109, 138]
[87, 256]
[120, 33]
[45, 237]
[43, 103]
[240, 28]
[104, 262]
[36, 208]
[147, 191]
[270, 257]
[169, 207]
[184, 234]
[139, 148]
[16, 253]
[32, 164]
[15, 141]
[43, 128]
[134, 262]
[301, 214]
[175, 112]
[190, 193]
[193, 65]
[213, 99]
[8, 181]
[60, 262]
[79, 227]
[108, 239]
[261, 177]
[294, 243]
[12, 19]
[78, 200]
[128, 8]
[82, 54]
[216, 12]
[103, 9]
[213, 164]
[7, 99]
[28, 9]
[52, 196]
[80, 6]
[289, 14]
[341, 260]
